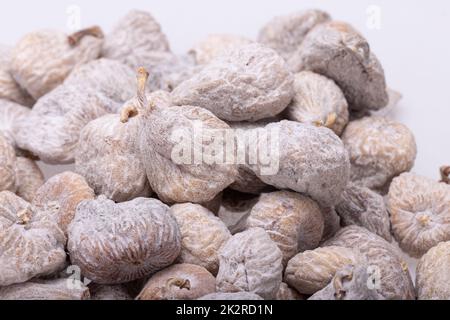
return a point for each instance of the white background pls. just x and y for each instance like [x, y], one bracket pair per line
[412, 44]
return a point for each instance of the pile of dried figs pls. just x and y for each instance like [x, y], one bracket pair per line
[243, 169]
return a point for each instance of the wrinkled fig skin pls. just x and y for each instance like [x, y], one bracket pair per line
[396, 283]
[235, 209]
[294, 222]
[29, 178]
[420, 213]
[30, 246]
[112, 292]
[43, 59]
[287, 293]
[63, 192]
[118, 243]
[318, 101]
[108, 157]
[10, 115]
[311, 271]
[365, 208]
[312, 160]
[52, 130]
[224, 296]
[248, 83]
[9, 88]
[380, 149]
[350, 283]
[250, 261]
[432, 276]
[7, 166]
[134, 39]
[216, 45]
[166, 133]
[202, 235]
[285, 34]
[337, 51]
[45, 290]
[179, 282]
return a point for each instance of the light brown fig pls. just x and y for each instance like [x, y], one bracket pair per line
[420, 212]
[42, 60]
[10, 115]
[287, 293]
[202, 235]
[7, 166]
[294, 222]
[29, 178]
[179, 282]
[118, 243]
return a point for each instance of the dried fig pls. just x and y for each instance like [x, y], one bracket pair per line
[10, 115]
[41, 60]
[420, 213]
[179, 282]
[287, 293]
[248, 83]
[225, 296]
[7, 166]
[29, 178]
[110, 292]
[250, 261]
[117, 243]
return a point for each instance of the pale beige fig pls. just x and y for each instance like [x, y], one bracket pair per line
[235, 209]
[432, 276]
[385, 260]
[42, 60]
[52, 130]
[311, 271]
[7, 165]
[9, 88]
[63, 192]
[10, 115]
[420, 213]
[286, 33]
[228, 296]
[30, 244]
[339, 52]
[248, 83]
[318, 101]
[60, 289]
[250, 261]
[179, 282]
[287, 293]
[215, 45]
[29, 178]
[118, 243]
[202, 235]
[380, 149]
[294, 222]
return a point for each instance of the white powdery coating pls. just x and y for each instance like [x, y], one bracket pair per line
[214, 45]
[9, 88]
[10, 114]
[110, 292]
[285, 33]
[294, 222]
[202, 235]
[420, 212]
[61, 194]
[45, 290]
[7, 165]
[312, 160]
[432, 276]
[200, 283]
[226, 296]
[107, 157]
[247, 83]
[28, 249]
[183, 181]
[380, 149]
[43, 59]
[53, 127]
[311, 271]
[29, 178]
[395, 280]
[134, 39]
[365, 208]
[250, 261]
[318, 101]
[117, 243]
[337, 51]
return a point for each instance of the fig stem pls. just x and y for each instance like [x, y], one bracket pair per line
[95, 31]
[24, 216]
[127, 113]
[445, 174]
[142, 79]
[338, 283]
